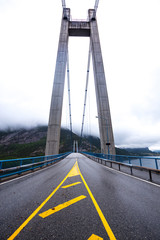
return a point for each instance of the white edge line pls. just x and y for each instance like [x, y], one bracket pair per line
[28, 174]
[140, 179]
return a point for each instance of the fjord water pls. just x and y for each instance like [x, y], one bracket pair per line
[149, 162]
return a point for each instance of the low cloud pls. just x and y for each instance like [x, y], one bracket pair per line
[131, 60]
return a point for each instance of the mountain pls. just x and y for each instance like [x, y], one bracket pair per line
[156, 151]
[140, 151]
[21, 143]
[31, 142]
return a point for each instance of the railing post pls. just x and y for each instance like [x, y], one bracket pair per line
[150, 175]
[140, 161]
[47, 159]
[41, 163]
[32, 163]
[119, 167]
[21, 162]
[129, 160]
[156, 163]
[47, 162]
[43, 159]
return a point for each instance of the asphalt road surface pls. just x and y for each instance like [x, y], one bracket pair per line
[78, 198]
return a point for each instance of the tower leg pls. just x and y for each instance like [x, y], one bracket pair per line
[54, 125]
[104, 117]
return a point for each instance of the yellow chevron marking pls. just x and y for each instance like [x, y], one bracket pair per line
[95, 237]
[74, 171]
[61, 206]
[70, 185]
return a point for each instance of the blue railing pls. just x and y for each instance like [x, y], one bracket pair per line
[17, 166]
[149, 162]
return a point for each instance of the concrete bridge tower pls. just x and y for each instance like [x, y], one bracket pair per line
[86, 28]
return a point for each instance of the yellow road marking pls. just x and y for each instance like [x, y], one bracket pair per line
[74, 171]
[70, 185]
[61, 206]
[95, 237]
[38, 209]
[104, 221]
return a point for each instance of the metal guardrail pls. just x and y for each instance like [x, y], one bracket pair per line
[142, 161]
[17, 166]
[150, 174]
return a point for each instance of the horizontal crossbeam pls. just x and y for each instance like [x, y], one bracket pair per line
[79, 28]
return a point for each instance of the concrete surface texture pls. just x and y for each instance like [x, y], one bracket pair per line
[54, 125]
[104, 116]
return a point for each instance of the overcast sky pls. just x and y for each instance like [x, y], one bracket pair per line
[130, 41]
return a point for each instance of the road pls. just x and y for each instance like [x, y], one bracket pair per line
[78, 198]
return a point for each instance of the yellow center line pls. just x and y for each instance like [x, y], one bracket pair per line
[61, 206]
[38, 209]
[104, 221]
[74, 171]
[70, 185]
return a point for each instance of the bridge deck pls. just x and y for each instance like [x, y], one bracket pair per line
[72, 206]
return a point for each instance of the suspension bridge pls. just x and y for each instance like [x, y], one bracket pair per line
[79, 195]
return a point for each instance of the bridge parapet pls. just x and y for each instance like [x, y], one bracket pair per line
[12, 167]
[146, 173]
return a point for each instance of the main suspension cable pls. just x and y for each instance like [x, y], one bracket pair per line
[87, 78]
[86, 88]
